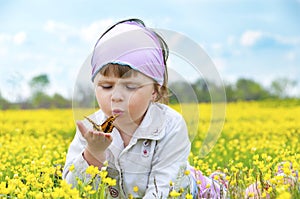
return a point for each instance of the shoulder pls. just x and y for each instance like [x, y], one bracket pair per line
[173, 122]
[170, 114]
[173, 128]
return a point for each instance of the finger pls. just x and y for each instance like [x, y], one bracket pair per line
[82, 128]
[108, 136]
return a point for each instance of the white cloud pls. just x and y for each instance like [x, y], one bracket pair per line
[249, 38]
[19, 38]
[216, 46]
[88, 33]
[231, 40]
[220, 64]
[60, 29]
[29, 56]
[56, 27]
[4, 37]
[92, 32]
[3, 52]
[290, 56]
[293, 41]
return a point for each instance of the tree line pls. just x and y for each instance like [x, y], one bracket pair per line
[242, 90]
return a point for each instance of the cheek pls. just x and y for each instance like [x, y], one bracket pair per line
[103, 101]
[138, 104]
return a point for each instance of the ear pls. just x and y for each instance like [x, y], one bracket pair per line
[155, 94]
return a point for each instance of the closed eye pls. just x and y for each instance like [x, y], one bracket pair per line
[106, 86]
[132, 86]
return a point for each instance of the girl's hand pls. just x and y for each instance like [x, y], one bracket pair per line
[97, 143]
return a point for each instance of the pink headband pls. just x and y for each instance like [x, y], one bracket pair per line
[133, 45]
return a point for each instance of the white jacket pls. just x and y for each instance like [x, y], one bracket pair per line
[158, 149]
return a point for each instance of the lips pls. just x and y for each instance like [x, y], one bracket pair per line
[117, 112]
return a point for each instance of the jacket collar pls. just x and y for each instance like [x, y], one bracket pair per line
[152, 124]
[151, 128]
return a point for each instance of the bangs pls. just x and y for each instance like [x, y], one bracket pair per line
[117, 70]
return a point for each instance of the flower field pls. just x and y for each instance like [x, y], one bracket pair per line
[259, 144]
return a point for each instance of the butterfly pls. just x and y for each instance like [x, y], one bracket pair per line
[106, 126]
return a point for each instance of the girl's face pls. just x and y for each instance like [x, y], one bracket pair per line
[128, 97]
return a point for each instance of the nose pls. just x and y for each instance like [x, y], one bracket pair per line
[117, 95]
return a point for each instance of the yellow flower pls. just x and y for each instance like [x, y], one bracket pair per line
[71, 168]
[239, 165]
[270, 189]
[105, 163]
[92, 170]
[136, 189]
[174, 193]
[87, 188]
[256, 157]
[284, 195]
[250, 194]
[103, 174]
[189, 196]
[216, 177]
[249, 143]
[269, 158]
[187, 172]
[109, 181]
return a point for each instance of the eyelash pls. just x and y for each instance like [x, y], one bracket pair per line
[129, 87]
[105, 87]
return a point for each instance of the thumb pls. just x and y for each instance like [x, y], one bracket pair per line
[82, 128]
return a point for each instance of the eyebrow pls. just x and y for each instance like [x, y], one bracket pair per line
[105, 81]
[122, 81]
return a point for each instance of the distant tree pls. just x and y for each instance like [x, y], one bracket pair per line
[4, 104]
[58, 101]
[182, 92]
[39, 99]
[202, 91]
[84, 97]
[247, 89]
[230, 92]
[281, 87]
[39, 83]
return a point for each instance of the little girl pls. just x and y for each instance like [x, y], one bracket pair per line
[149, 146]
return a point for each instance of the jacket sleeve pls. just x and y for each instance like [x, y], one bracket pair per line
[171, 155]
[74, 157]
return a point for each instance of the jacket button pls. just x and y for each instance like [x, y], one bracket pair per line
[146, 143]
[145, 153]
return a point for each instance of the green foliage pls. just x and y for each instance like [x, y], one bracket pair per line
[180, 92]
[39, 83]
[247, 89]
[280, 87]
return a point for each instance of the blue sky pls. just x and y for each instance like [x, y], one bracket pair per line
[244, 38]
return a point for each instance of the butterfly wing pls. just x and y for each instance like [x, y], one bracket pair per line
[95, 126]
[108, 126]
